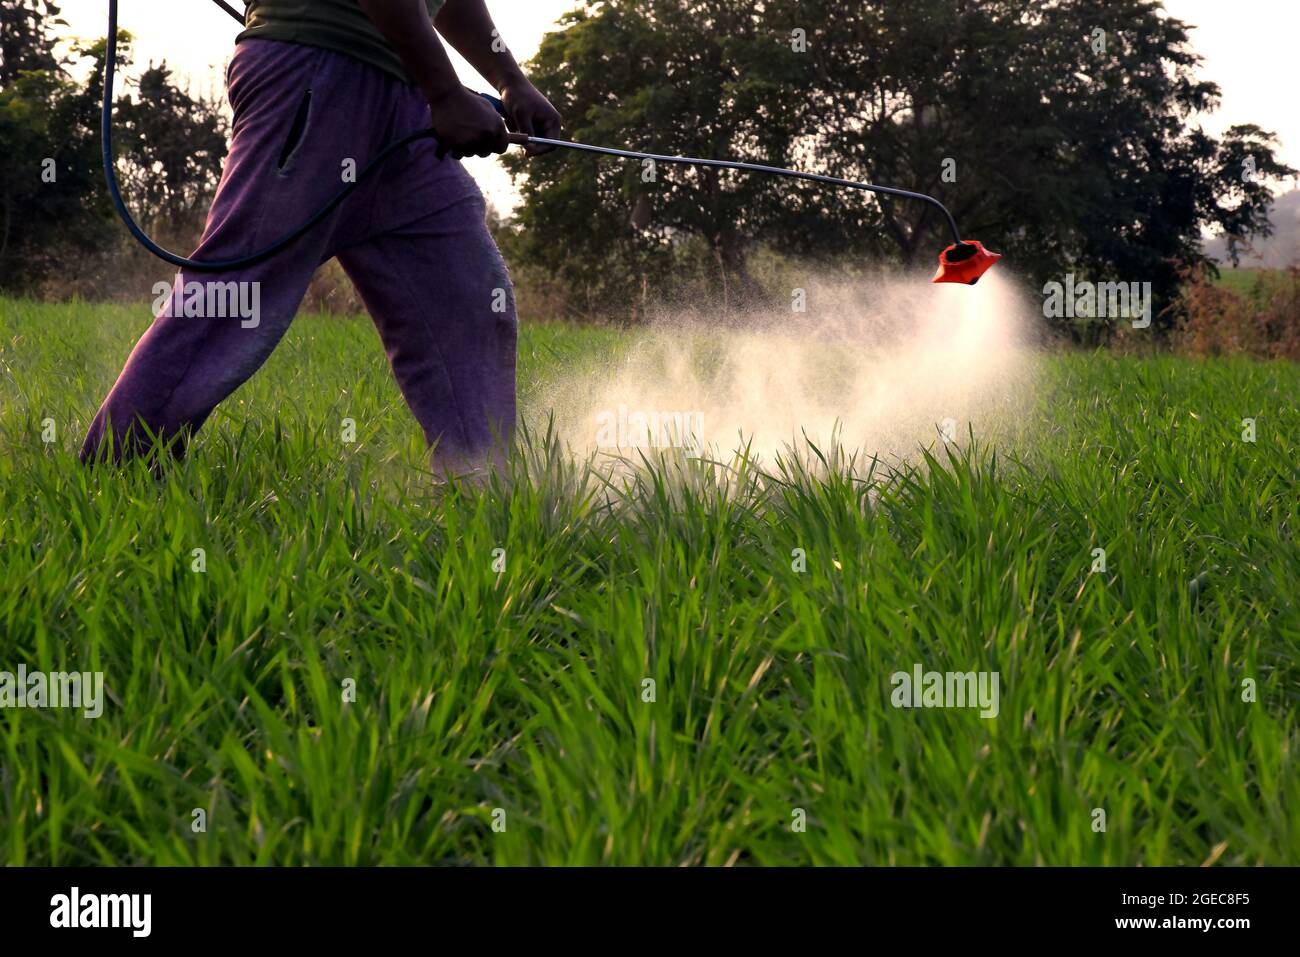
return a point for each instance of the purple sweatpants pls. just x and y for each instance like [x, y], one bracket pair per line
[412, 238]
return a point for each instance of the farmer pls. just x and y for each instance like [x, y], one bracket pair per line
[316, 89]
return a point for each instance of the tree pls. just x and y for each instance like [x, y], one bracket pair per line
[49, 145]
[1074, 145]
[670, 77]
[25, 41]
[54, 208]
[170, 147]
[1064, 143]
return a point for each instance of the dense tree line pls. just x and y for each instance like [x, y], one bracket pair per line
[54, 207]
[1062, 134]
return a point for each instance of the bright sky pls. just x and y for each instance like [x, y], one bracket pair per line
[1246, 45]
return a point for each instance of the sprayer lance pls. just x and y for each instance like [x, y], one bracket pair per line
[521, 139]
[962, 262]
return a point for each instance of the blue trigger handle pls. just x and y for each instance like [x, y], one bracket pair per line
[496, 105]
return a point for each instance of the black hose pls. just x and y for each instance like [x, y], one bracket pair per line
[238, 262]
[215, 265]
[230, 10]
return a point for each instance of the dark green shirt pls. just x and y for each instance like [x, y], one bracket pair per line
[338, 25]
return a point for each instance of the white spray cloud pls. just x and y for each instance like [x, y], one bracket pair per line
[885, 366]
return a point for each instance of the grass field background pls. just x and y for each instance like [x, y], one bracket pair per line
[524, 690]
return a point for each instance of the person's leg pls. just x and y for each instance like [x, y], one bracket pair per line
[298, 112]
[438, 291]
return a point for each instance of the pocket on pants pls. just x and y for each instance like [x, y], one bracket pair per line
[297, 133]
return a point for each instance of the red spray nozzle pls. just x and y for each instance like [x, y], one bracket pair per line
[965, 262]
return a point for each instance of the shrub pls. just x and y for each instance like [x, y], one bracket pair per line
[1260, 317]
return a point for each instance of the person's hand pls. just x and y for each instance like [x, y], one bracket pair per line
[466, 124]
[531, 113]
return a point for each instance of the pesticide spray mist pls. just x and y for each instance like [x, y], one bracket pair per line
[875, 368]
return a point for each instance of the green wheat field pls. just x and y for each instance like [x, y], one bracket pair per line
[590, 670]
